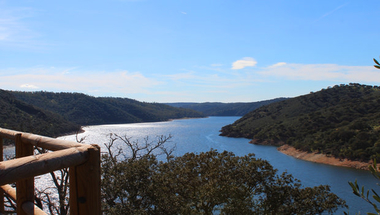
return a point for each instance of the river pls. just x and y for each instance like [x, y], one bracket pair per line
[198, 135]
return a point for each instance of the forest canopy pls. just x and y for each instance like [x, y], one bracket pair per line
[342, 121]
[205, 183]
[56, 114]
[88, 110]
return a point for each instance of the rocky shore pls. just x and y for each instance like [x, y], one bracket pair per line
[322, 158]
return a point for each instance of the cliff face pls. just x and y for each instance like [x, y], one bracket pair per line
[322, 158]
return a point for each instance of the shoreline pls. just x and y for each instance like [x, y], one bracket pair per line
[322, 158]
[169, 120]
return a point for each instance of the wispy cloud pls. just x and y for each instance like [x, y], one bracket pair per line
[119, 83]
[191, 85]
[203, 79]
[331, 12]
[216, 65]
[322, 72]
[29, 86]
[245, 62]
[181, 76]
[14, 30]
[277, 65]
[207, 77]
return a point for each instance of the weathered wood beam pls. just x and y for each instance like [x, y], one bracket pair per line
[85, 185]
[1, 159]
[9, 191]
[31, 209]
[26, 167]
[83, 160]
[25, 186]
[27, 206]
[40, 141]
[48, 142]
[8, 134]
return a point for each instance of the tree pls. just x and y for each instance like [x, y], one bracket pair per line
[126, 180]
[195, 183]
[359, 191]
[378, 64]
[204, 183]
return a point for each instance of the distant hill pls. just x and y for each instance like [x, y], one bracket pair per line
[88, 110]
[342, 121]
[20, 116]
[224, 109]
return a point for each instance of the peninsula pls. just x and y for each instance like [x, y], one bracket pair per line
[341, 122]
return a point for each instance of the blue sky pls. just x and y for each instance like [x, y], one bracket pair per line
[188, 51]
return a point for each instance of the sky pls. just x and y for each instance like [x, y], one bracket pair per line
[188, 50]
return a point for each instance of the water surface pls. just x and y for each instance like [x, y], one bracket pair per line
[198, 135]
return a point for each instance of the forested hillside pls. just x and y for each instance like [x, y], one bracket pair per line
[20, 116]
[342, 121]
[225, 109]
[87, 110]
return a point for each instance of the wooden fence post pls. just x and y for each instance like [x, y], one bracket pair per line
[24, 188]
[1, 192]
[85, 185]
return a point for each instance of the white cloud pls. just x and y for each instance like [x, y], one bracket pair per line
[278, 64]
[29, 86]
[245, 62]
[184, 13]
[58, 80]
[201, 81]
[322, 72]
[188, 84]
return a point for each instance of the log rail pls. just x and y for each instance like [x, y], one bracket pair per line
[84, 171]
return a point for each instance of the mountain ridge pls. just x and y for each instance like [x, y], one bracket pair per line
[56, 114]
[21, 116]
[224, 109]
[88, 110]
[341, 121]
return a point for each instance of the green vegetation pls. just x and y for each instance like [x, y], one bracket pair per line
[377, 66]
[87, 110]
[224, 109]
[205, 183]
[342, 121]
[20, 116]
[360, 192]
[56, 114]
[135, 181]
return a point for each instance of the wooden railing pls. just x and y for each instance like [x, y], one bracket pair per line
[84, 171]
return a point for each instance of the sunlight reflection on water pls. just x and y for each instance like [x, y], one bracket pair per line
[198, 135]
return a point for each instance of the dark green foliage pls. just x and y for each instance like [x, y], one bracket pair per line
[20, 116]
[225, 109]
[377, 66]
[342, 121]
[205, 183]
[87, 110]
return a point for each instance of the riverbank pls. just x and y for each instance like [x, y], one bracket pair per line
[322, 158]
